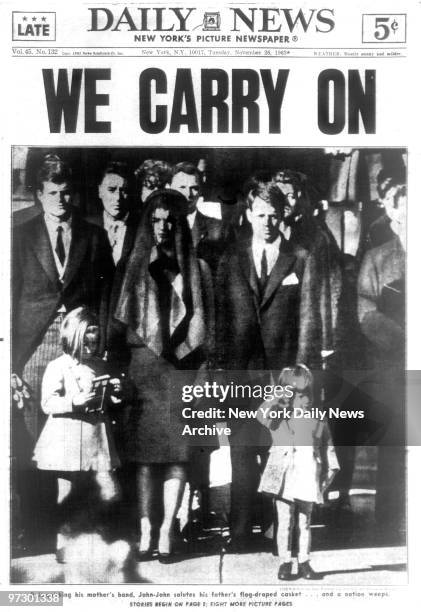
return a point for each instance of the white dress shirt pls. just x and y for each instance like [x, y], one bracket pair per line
[116, 231]
[52, 226]
[272, 254]
[191, 217]
[285, 230]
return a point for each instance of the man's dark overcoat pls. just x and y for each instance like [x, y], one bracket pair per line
[37, 292]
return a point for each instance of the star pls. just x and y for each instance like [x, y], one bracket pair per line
[43, 18]
[25, 19]
[34, 18]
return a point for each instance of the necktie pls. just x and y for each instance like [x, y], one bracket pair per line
[263, 270]
[61, 254]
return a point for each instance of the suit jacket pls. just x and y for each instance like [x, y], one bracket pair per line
[379, 232]
[381, 310]
[314, 236]
[25, 214]
[268, 331]
[116, 331]
[210, 238]
[37, 292]
[381, 301]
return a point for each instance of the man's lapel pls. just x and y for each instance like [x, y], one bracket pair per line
[131, 228]
[78, 247]
[283, 266]
[199, 229]
[42, 248]
[249, 271]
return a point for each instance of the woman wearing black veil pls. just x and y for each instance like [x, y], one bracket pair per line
[166, 303]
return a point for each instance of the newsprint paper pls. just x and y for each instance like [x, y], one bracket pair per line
[209, 347]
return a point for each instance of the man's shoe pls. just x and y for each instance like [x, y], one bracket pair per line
[307, 572]
[166, 558]
[285, 570]
[144, 555]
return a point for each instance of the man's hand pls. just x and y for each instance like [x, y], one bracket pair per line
[116, 390]
[20, 391]
[328, 480]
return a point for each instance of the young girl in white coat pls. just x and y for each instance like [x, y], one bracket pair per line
[77, 441]
[302, 462]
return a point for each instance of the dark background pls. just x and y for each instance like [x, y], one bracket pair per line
[227, 168]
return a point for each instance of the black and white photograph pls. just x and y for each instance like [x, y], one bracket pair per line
[208, 365]
[210, 306]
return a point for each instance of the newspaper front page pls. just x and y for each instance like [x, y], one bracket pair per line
[209, 346]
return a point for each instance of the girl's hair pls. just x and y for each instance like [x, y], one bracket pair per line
[73, 330]
[298, 377]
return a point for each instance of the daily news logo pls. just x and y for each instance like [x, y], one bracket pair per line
[30, 26]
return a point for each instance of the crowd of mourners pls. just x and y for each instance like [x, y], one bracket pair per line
[111, 312]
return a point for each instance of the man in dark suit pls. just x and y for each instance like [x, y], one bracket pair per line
[209, 235]
[119, 224]
[264, 301]
[381, 311]
[59, 263]
[376, 228]
[261, 290]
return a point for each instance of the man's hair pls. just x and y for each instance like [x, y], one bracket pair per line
[268, 192]
[296, 179]
[115, 167]
[54, 170]
[187, 168]
[304, 190]
[260, 177]
[73, 330]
